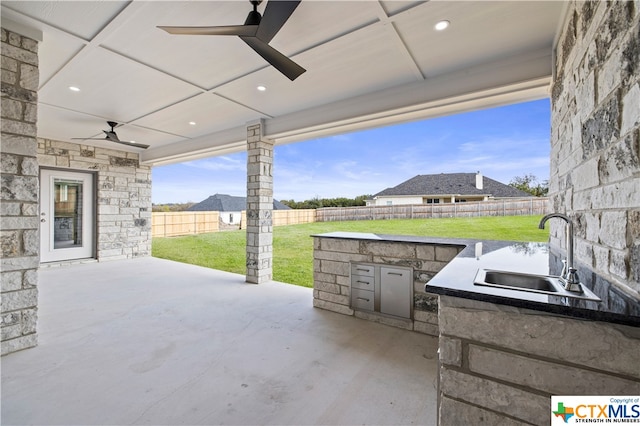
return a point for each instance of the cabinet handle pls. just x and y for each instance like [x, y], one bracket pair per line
[395, 273]
[363, 270]
[363, 282]
[362, 298]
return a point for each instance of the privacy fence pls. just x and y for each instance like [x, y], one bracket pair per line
[189, 223]
[506, 207]
[287, 217]
[183, 223]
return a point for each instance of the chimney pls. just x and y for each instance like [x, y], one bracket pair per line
[478, 180]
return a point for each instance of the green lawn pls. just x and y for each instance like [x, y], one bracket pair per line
[293, 247]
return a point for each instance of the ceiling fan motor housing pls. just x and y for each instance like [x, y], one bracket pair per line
[253, 18]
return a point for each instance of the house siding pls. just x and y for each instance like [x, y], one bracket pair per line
[123, 201]
[384, 201]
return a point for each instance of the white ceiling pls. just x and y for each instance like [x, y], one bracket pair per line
[369, 63]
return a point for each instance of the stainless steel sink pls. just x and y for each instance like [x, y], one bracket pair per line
[520, 281]
[545, 284]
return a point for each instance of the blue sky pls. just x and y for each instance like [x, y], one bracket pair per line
[500, 142]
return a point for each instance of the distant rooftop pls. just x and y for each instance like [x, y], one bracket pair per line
[228, 203]
[452, 184]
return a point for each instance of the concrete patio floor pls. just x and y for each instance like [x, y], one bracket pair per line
[149, 341]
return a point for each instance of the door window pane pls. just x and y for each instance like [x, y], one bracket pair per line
[67, 228]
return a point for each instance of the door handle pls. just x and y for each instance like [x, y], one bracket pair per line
[43, 220]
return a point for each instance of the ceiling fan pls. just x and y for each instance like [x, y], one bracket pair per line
[111, 136]
[257, 32]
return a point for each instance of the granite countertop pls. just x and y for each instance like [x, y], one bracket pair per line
[457, 278]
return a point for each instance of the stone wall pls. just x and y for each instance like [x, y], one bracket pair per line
[123, 194]
[595, 140]
[501, 365]
[332, 258]
[19, 200]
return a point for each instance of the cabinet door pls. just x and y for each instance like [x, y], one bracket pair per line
[395, 291]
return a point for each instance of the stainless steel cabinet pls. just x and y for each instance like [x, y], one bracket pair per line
[382, 288]
[395, 291]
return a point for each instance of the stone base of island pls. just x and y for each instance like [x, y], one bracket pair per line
[336, 252]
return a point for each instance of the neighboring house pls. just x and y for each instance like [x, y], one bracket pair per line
[445, 188]
[229, 206]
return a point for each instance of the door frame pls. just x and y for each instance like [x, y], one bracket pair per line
[93, 215]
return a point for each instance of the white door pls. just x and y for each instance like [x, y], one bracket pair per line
[66, 215]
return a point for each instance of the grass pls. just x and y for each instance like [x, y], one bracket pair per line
[293, 247]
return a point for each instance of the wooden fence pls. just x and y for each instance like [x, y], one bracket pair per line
[506, 207]
[189, 223]
[183, 223]
[287, 217]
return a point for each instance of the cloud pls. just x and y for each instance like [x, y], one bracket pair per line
[341, 138]
[236, 162]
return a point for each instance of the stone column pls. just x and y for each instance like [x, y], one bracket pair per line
[259, 205]
[19, 235]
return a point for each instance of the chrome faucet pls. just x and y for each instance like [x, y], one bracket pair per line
[569, 275]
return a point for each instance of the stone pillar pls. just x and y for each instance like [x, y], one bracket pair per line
[19, 235]
[259, 205]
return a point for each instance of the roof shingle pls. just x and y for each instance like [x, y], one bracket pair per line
[452, 183]
[228, 203]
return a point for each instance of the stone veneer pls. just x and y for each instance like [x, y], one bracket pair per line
[332, 258]
[259, 205]
[501, 365]
[595, 139]
[123, 201]
[19, 207]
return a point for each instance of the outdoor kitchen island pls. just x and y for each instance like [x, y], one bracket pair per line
[503, 353]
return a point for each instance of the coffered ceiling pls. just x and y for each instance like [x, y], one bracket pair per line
[369, 63]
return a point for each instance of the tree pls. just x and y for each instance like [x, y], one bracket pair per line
[317, 203]
[171, 207]
[529, 183]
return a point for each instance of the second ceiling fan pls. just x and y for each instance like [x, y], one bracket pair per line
[257, 32]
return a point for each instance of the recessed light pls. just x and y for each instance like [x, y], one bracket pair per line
[192, 123]
[441, 25]
[74, 88]
[261, 88]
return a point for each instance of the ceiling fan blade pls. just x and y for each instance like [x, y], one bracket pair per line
[133, 144]
[283, 64]
[276, 13]
[232, 30]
